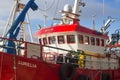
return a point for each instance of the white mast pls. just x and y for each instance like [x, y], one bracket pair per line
[11, 17]
[76, 9]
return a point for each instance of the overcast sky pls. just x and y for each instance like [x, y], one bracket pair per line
[93, 7]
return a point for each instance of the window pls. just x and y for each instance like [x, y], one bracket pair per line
[40, 41]
[80, 39]
[44, 41]
[102, 42]
[52, 40]
[97, 41]
[86, 39]
[70, 39]
[61, 39]
[92, 41]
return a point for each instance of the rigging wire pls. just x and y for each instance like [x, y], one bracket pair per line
[57, 3]
[55, 12]
[48, 7]
[43, 11]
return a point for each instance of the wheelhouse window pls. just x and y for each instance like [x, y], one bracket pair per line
[86, 39]
[80, 39]
[102, 42]
[44, 41]
[97, 42]
[52, 40]
[92, 41]
[70, 39]
[61, 39]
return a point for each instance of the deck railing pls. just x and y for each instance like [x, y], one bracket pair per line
[32, 50]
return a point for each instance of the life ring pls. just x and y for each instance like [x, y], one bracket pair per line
[66, 71]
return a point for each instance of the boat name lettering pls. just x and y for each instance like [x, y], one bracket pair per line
[49, 30]
[27, 64]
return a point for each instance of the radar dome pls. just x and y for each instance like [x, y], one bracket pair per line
[68, 8]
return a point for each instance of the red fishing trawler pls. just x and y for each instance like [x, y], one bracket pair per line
[66, 51]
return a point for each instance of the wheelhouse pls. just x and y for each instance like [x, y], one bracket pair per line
[73, 37]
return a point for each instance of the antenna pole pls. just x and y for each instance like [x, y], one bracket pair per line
[103, 11]
[93, 21]
[45, 16]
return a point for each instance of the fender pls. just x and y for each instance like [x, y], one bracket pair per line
[67, 71]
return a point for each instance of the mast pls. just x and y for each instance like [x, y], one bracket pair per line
[71, 14]
[76, 8]
[11, 17]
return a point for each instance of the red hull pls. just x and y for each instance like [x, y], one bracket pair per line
[20, 68]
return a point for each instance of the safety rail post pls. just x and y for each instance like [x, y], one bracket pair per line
[14, 67]
[41, 50]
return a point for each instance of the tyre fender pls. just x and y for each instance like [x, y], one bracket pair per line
[67, 71]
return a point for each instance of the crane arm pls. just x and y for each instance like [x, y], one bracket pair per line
[107, 24]
[31, 4]
[15, 28]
